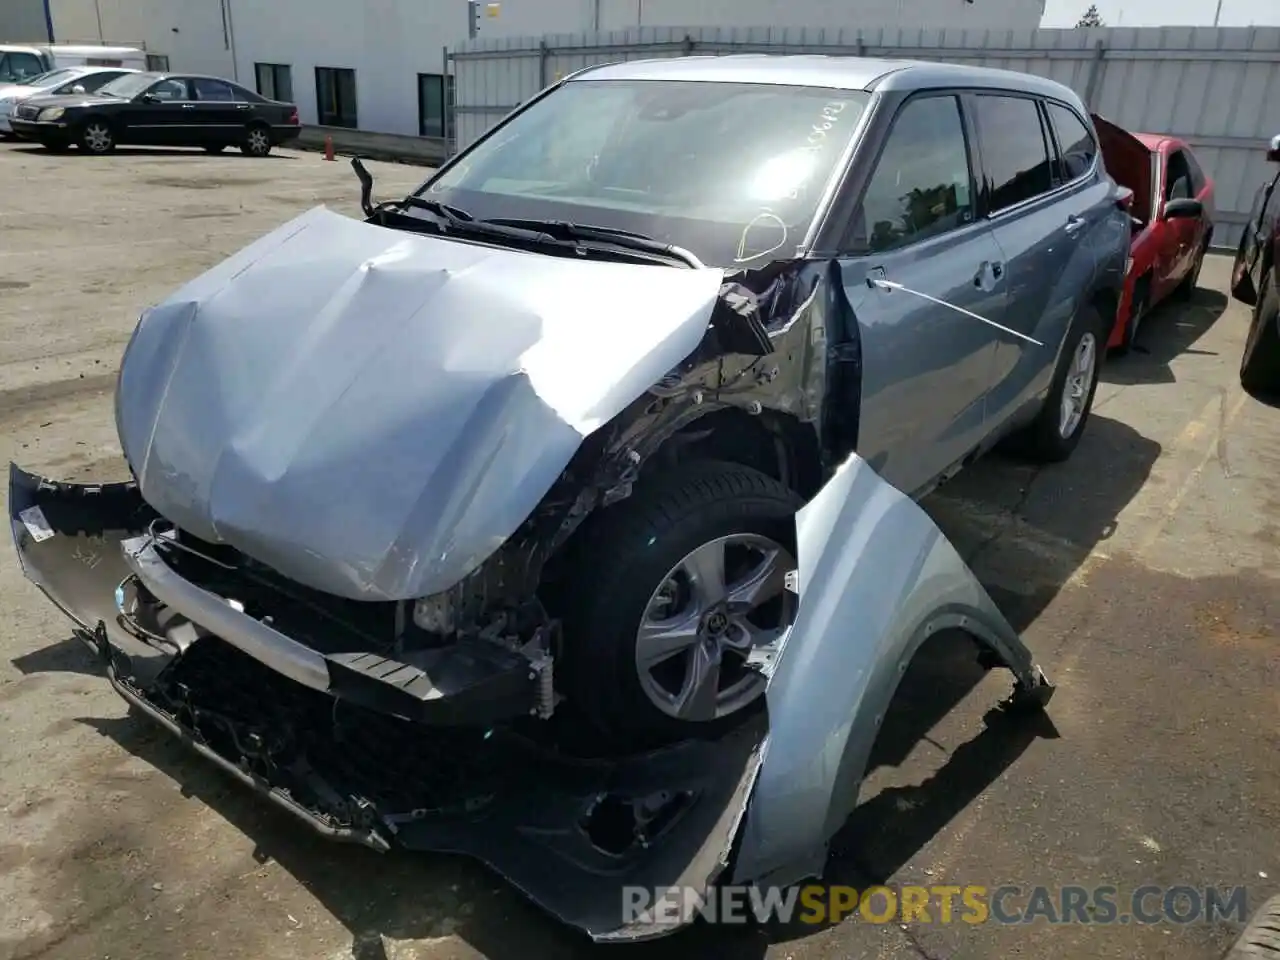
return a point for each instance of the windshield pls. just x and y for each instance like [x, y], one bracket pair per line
[733, 172]
[128, 86]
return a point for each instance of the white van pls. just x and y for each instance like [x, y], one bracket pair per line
[21, 63]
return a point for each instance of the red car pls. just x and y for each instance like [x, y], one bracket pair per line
[1172, 211]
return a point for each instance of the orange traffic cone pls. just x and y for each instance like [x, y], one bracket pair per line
[328, 148]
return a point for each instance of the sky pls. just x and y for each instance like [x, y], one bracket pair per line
[1159, 13]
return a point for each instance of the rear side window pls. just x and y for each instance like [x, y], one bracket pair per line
[1075, 143]
[1014, 152]
[921, 184]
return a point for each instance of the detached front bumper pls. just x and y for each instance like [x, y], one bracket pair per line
[570, 833]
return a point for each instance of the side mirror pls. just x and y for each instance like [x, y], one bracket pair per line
[78, 88]
[1182, 208]
[1273, 149]
[149, 98]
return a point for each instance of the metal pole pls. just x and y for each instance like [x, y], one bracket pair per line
[1095, 74]
[444, 97]
[231, 32]
[97, 9]
[1217, 14]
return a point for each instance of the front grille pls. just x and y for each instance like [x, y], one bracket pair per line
[332, 756]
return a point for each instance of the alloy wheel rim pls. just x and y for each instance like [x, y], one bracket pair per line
[257, 141]
[98, 137]
[717, 614]
[1079, 383]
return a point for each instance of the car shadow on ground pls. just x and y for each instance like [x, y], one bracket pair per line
[150, 152]
[1168, 332]
[1023, 529]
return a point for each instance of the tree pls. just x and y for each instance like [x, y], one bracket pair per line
[1091, 18]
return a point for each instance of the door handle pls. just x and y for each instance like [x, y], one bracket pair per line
[188, 106]
[1074, 223]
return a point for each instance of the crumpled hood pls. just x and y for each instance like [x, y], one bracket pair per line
[372, 413]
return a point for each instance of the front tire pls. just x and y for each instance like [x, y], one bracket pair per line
[96, 136]
[1260, 362]
[1187, 288]
[669, 593]
[1137, 313]
[1056, 431]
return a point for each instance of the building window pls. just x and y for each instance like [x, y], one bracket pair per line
[336, 96]
[275, 81]
[157, 63]
[435, 104]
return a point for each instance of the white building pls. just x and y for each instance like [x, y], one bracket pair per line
[379, 64]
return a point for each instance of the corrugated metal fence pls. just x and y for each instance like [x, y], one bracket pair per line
[1217, 88]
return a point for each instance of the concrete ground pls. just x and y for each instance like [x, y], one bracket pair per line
[1143, 574]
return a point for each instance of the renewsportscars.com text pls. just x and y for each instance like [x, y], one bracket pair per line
[941, 903]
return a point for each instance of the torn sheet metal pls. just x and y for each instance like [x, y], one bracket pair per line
[435, 389]
[876, 577]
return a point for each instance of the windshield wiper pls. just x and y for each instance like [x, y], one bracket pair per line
[554, 233]
[566, 230]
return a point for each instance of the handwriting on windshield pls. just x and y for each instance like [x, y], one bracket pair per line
[799, 166]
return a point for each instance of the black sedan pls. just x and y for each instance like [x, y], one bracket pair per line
[162, 110]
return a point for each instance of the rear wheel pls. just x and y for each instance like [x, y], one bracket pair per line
[675, 597]
[1260, 363]
[1056, 431]
[257, 141]
[96, 136]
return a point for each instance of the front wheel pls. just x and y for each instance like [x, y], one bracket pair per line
[257, 142]
[1056, 431]
[675, 598]
[1260, 363]
[1187, 288]
[96, 137]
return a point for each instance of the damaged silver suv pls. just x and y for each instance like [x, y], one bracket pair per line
[531, 440]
